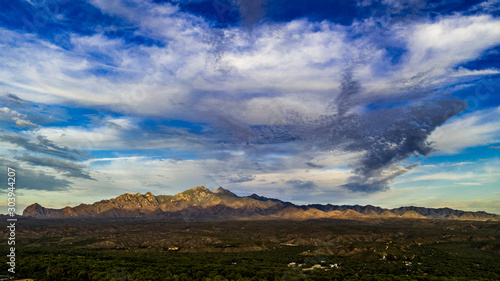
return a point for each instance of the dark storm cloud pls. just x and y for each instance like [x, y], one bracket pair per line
[251, 11]
[14, 99]
[241, 178]
[376, 180]
[31, 179]
[68, 168]
[299, 184]
[392, 135]
[43, 145]
[349, 88]
[387, 135]
[312, 165]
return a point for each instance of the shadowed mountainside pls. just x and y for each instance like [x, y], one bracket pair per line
[200, 203]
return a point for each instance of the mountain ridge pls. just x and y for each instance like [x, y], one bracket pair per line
[200, 203]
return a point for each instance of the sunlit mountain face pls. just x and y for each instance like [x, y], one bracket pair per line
[388, 103]
[201, 204]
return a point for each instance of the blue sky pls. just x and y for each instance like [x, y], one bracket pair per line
[389, 103]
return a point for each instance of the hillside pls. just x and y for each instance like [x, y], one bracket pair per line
[200, 203]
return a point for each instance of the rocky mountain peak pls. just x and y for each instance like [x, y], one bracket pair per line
[257, 197]
[35, 210]
[224, 191]
[133, 201]
[195, 194]
[129, 196]
[200, 188]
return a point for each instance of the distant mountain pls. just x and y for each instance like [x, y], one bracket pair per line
[200, 203]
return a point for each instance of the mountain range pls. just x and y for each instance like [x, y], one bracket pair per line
[200, 203]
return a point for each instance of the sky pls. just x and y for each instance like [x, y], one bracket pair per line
[381, 102]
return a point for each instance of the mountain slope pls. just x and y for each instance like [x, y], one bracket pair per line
[201, 203]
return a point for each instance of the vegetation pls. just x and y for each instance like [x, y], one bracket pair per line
[383, 250]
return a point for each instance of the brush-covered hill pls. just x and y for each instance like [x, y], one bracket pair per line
[200, 203]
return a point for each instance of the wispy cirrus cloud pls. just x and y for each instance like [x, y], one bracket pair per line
[45, 146]
[67, 168]
[33, 179]
[472, 129]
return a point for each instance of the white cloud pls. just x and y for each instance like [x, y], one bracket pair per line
[336, 159]
[488, 6]
[470, 183]
[118, 134]
[450, 41]
[450, 176]
[446, 176]
[6, 114]
[470, 130]
[114, 159]
[99, 138]
[466, 72]
[205, 70]
[462, 163]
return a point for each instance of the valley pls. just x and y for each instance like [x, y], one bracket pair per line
[208, 235]
[325, 249]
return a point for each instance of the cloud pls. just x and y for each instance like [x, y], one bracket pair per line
[6, 114]
[297, 88]
[241, 178]
[470, 183]
[45, 146]
[68, 168]
[377, 180]
[302, 185]
[125, 133]
[485, 205]
[114, 159]
[451, 41]
[32, 179]
[472, 129]
[251, 11]
[446, 176]
[316, 166]
[453, 175]
[488, 6]
[10, 115]
[26, 114]
[260, 67]
[385, 137]
[466, 72]
[462, 163]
